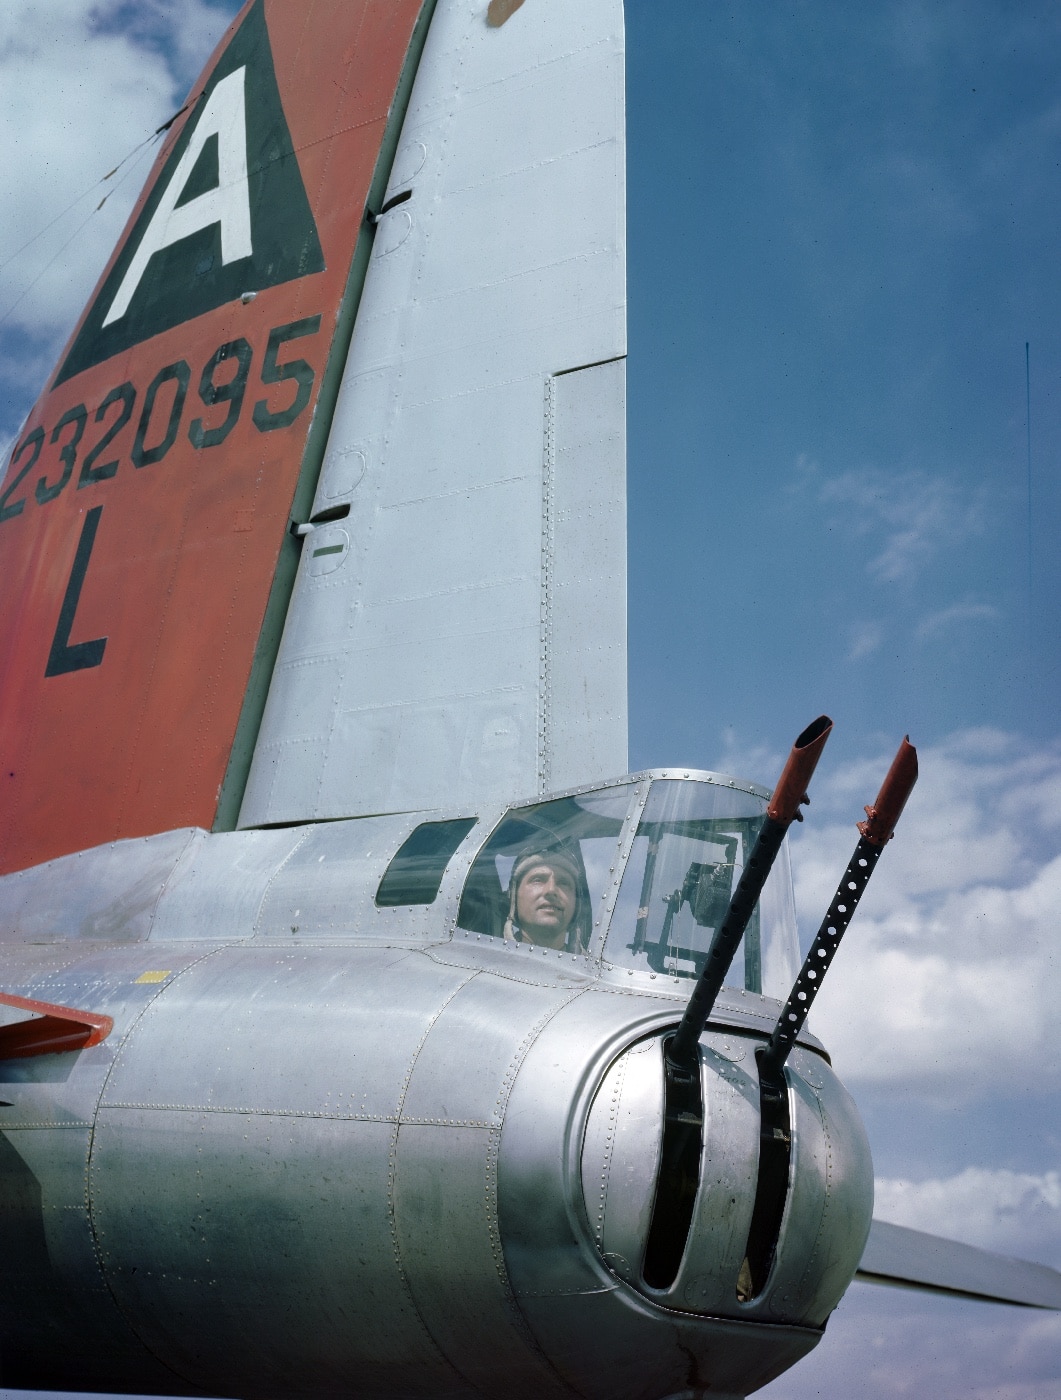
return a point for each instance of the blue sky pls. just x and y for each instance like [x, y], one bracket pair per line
[842, 227]
[841, 239]
[842, 233]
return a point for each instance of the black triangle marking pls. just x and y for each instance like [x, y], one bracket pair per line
[188, 278]
[205, 173]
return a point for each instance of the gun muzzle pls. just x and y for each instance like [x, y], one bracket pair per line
[795, 777]
[881, 818]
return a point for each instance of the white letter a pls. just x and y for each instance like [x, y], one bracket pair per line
[227, 204]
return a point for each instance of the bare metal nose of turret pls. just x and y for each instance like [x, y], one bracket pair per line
[829, 1195]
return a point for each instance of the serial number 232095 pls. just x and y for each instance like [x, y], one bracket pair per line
[156, 431]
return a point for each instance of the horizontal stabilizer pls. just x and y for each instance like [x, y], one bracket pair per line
[913, 1259]
[52, 1029]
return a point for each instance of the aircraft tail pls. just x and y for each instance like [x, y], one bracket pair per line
[458, 629]
[387, 237]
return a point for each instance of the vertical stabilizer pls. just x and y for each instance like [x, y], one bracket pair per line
[457, 630]
[145, 510]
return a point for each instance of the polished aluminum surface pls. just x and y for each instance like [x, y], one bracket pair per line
[707, 1277]
[257, 1105]
[263, 1162]
[323, 1146]
[618, 1169]
[468, 639]
[328, 1139]
[830, 1200]
[605, 1336]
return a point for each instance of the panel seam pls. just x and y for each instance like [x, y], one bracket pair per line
[546, 588]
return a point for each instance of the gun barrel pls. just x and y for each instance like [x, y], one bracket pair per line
[791, 790]
[876, 832]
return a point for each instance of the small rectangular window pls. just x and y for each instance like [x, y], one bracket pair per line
[415, 873]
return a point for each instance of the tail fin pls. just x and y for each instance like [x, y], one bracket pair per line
[466, 555]
[145, 510]
[458, 629]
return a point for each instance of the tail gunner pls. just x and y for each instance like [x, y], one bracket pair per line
[547, 900]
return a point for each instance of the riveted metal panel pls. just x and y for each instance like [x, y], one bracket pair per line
[638, 1352]
[446, 1205]
[58, 1320]
[584, 656]
[53, 1164]
[718, 1236]
[487, 1029]
[216, 890]
[560, 1280]
[830, 1206]
[445, 1214]
[272, 1261]
[546, 1228]
[271, 1031]
[327, 886]
[246, 1147]
[213, 887]
[118, 981]
[827, 1208]
[620, 1156]
[107, 893]
[432, 641]
[57, 1317]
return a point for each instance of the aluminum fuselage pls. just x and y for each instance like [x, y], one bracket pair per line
[334, 1148]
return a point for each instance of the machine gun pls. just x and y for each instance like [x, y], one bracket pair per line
[683, 1128]
[875, 833]
[684, 1112]
[775, 1134]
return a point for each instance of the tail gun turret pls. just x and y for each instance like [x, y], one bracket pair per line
[684, 1113]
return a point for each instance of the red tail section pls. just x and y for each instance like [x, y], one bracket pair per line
[146, 504]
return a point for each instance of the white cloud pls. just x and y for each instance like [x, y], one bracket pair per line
[757, 763]
[77, 92]
[911, 516]
[866, 638]
[185, 32]
[1014, 1213]
[949, 979]
[945, 618]
[889, 1344]
[917, 515]
[74, 104]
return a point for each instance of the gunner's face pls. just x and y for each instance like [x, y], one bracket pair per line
[545, 904]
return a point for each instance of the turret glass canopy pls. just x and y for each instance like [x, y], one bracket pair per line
[643, 871]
